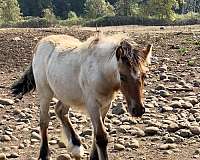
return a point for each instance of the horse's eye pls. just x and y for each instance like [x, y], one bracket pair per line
[123, 78]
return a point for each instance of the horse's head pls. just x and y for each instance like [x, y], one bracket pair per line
[132, 69]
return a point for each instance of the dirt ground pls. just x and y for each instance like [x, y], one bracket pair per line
[176, 54]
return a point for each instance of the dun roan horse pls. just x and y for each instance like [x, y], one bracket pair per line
[84, 75]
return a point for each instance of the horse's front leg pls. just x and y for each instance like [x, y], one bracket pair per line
[100, 136]
[94, 152]
[73, 139]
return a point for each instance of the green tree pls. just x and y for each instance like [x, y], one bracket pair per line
[126, 7]
[161, 9]
[49, 15]
[9, 11]
[98, 8]
[34, 7]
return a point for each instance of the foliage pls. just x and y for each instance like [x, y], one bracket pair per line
[72, 15]
[161, 9]
[126, 7]
[49, 15]
[98, 8]
[9, 11]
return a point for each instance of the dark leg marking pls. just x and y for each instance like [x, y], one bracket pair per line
[44, 150]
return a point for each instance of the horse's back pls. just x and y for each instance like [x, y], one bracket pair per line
[61, 42]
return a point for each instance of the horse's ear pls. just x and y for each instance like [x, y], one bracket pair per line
[119, 53]
[146, 53]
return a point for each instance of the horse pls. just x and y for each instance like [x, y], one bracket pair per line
[84, 76]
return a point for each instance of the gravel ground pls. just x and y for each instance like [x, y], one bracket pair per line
[170, 128]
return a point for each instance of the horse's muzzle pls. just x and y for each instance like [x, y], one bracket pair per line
[137, 111]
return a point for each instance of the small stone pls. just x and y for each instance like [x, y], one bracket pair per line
[16, 39]
[173, 127]
[21, 146]
[35, 135]
[164, 93]
[119, 147]
[140, 133]
[61, 144]
[86, 132]
[160, 87]
[167, 109]
[195, 130]
[5, 138]
[64, 157]
[163, 76]
[4, 101]
[151, 130]
[187, 105]
[118, 109]
[163, 68]
[53, 142]
[2, 156]
[197, 152]
[134, 144]
[1, 106]
[176, 104]
[170, 140]
[167, 146]
[185, 133]
[13, 155]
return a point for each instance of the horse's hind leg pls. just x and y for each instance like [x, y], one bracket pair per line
[45, 95]
[72, 137]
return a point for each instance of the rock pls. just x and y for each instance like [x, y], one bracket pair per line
[185, 133]
[1, 106]
[167, 146]
[61, 144]
[2, 156]
[187, 105]
[35, 135]
[4, 101]
[118, 109]
[163, 76]
[172, 127]
[170, 140]
[176, 104]
[151, 131]
[163, 68]
[195, 130]
[162, 28]
[173, 78]
[53, 142]
[5, 138]
[133, 144]
[21, 146]
[16, 39]
[164, 93]
[13, 155]
[140, 133]
[64, 157]
[119, 147]
[197, 151]
[86, 132]
[167, 109]
[160, 87]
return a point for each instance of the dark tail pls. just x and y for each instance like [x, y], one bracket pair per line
[25, 84]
